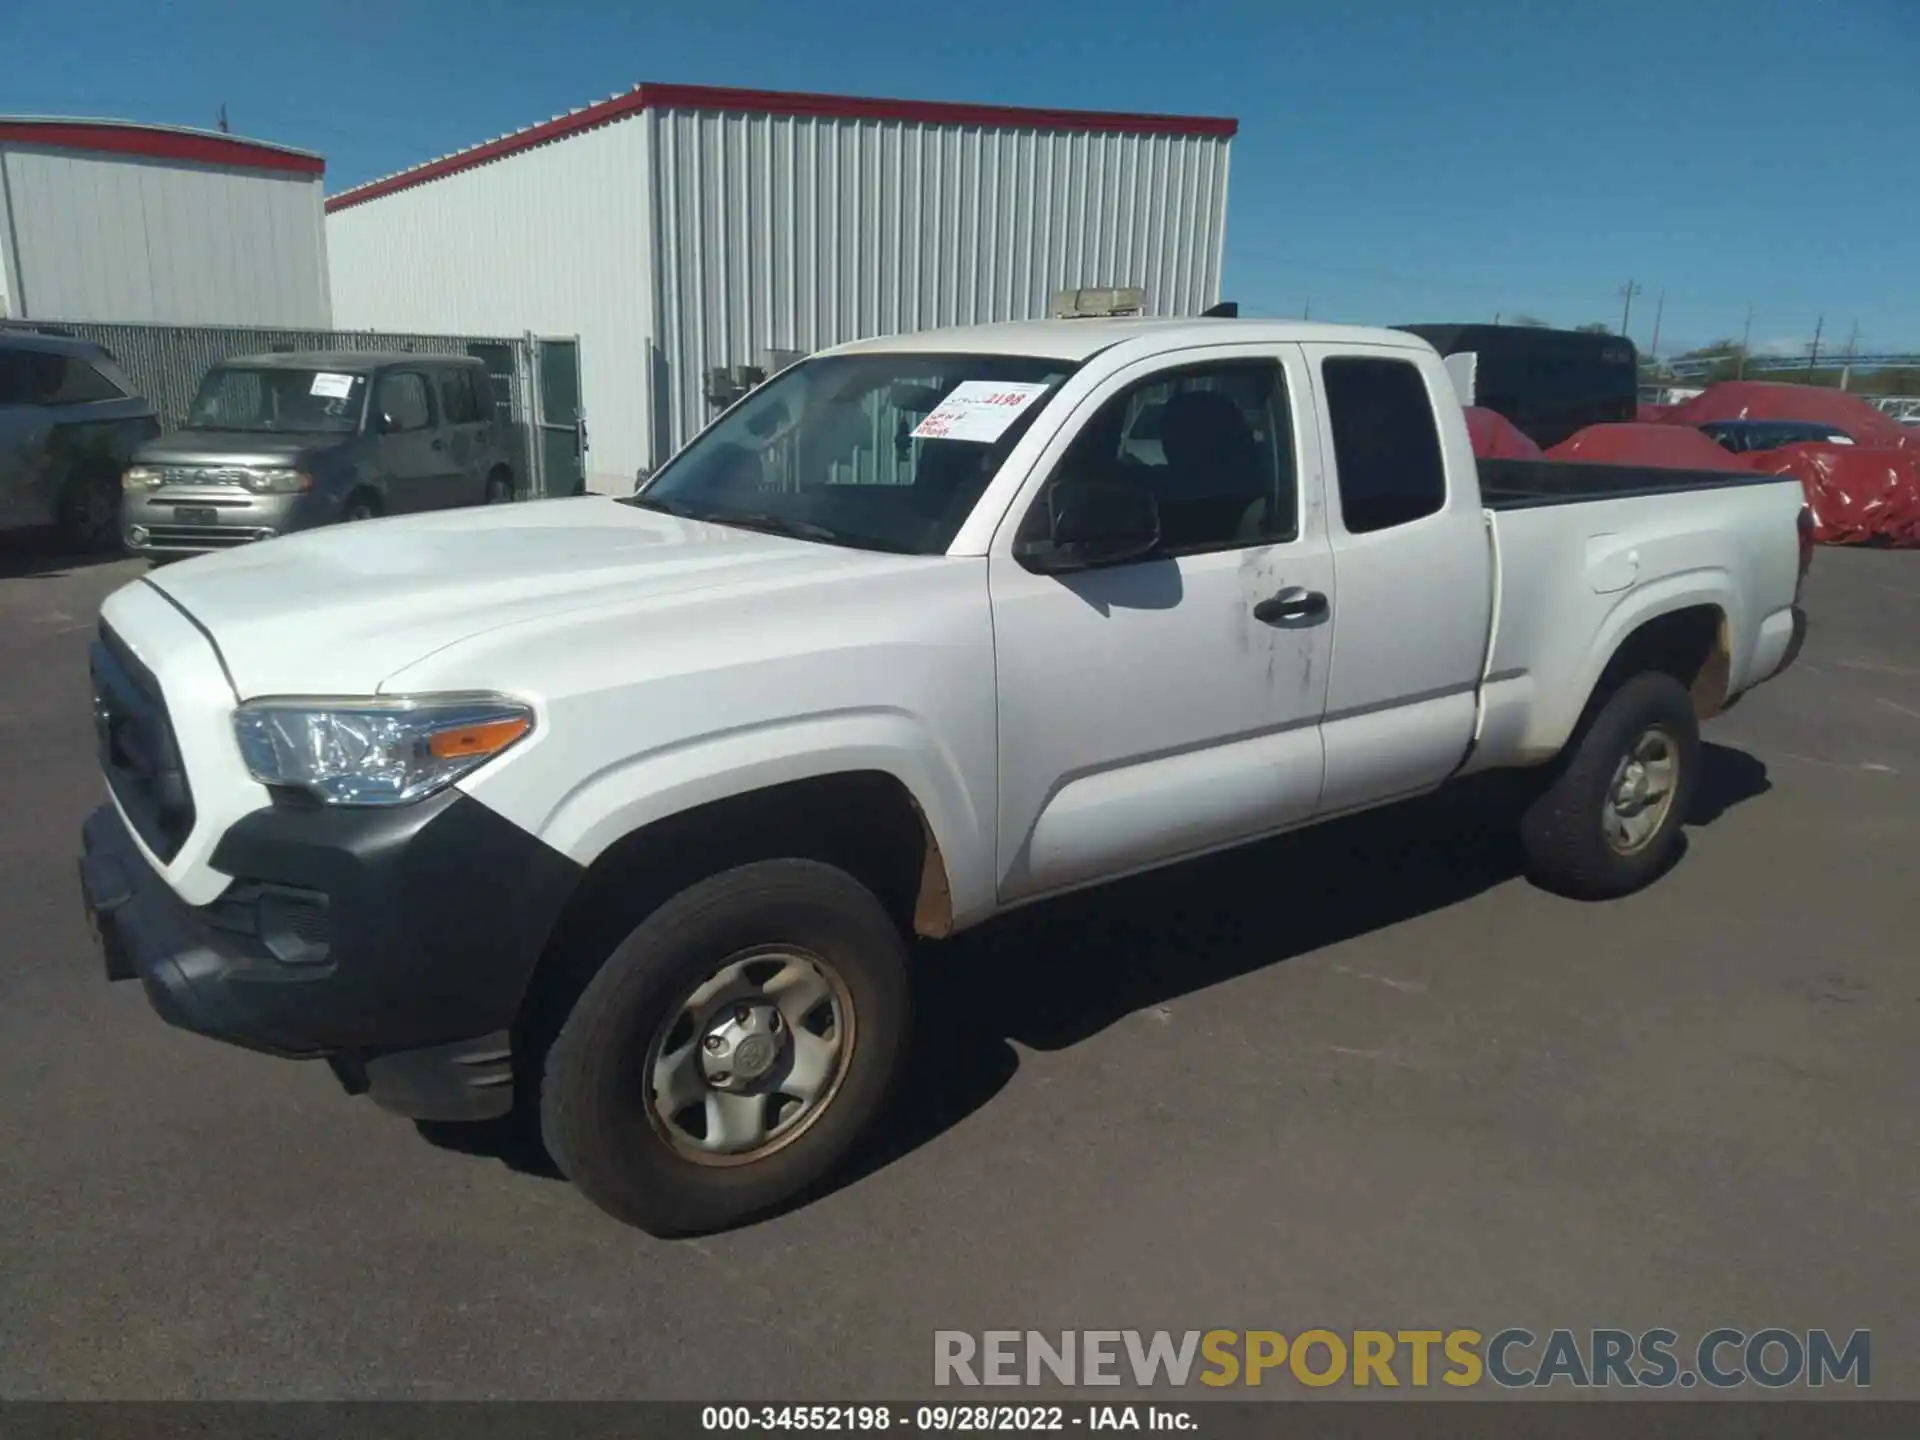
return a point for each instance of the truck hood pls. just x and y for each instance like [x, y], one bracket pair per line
[336, 611]
[230, 447]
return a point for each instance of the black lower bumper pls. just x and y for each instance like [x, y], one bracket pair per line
[395, 944]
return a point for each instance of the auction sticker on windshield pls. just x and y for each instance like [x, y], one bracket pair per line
[979, 410]
[334, 387]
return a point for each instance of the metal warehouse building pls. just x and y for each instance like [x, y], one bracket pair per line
[677, 230]
[101, 220]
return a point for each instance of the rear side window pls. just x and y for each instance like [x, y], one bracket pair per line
[37, 377]
[462, 406]
[81, 384]
[403, 401]
[1386, 446]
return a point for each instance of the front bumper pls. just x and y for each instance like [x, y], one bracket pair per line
[396, 944]
[191, 522]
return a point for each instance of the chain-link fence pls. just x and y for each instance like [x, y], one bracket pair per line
[167, 363]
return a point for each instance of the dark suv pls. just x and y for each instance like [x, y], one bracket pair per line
[69, 420]
[284, 442]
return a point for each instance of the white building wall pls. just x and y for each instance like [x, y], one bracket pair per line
[676, 240]
[550, 240]
[796, 233]
[122, 238]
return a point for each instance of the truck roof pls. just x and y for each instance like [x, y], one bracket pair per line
[347, 362]
[1076, 340]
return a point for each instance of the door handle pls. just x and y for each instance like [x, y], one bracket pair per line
[1293, 605]
[439, 443]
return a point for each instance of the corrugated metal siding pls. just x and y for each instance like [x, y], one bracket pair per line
[771, 232]
[120, 238]
[791, 233]
[550, 240]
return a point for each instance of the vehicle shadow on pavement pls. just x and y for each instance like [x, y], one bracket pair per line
[1059, 973]
[1062, 971]
[42, 555]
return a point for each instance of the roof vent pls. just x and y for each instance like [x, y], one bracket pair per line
[1090, 304]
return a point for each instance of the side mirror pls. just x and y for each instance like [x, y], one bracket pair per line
[1092, 524]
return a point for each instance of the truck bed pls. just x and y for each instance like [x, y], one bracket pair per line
[1524, 484]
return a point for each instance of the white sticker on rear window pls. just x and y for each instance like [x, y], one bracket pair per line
[979, 410]
[334, 387]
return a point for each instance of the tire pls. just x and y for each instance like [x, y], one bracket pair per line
[360, 505]
[90, 513]
[1582, 833]
[499, 487]
[598, 1115]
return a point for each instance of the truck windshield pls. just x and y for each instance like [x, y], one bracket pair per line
[879, 452]
[270, 400]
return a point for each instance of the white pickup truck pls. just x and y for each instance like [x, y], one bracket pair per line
[620, 814]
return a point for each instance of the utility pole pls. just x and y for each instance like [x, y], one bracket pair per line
[1813, 350]
[1846, 368]
[1746, 338]
[223, 119]
[1628, 290]
[1306, 310]
[1496, 317]
[1659, 309]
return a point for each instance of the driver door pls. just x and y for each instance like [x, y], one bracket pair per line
[1145, 711]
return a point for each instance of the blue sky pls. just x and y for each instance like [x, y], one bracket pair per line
[1398, 160]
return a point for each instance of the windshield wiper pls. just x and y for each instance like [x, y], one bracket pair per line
[772, 524]
[768, 523]
[665, 507]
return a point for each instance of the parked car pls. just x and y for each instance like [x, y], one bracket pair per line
[69, 420]
[623, 810]
[285, 442]
[1741, 436]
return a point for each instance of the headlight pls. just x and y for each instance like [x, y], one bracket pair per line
[375, 751]
[278, 482]
[139, 477]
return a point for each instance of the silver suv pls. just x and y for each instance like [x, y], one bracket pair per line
[284, 442]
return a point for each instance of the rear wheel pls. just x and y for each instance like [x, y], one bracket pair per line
[361, 505]
[89, 515]
[732, 1050]
[1609, 822]
[499, 486]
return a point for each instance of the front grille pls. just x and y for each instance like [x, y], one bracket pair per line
[136, 746]
[204, 474]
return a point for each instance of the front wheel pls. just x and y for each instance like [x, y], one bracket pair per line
[732, 1051]
[1609, 822]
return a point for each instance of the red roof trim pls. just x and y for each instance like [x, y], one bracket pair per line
[158, 144]
[783, 102]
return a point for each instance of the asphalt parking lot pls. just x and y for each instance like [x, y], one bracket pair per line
[1360, 1078]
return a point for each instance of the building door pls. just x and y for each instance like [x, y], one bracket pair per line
[559, 424]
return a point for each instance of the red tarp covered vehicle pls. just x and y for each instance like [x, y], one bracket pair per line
[1864, 493]
[1497, 438]
[1672, 447]
[1859, 496]
[1767, 400]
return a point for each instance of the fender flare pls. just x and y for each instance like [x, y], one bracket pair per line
[638, 791]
